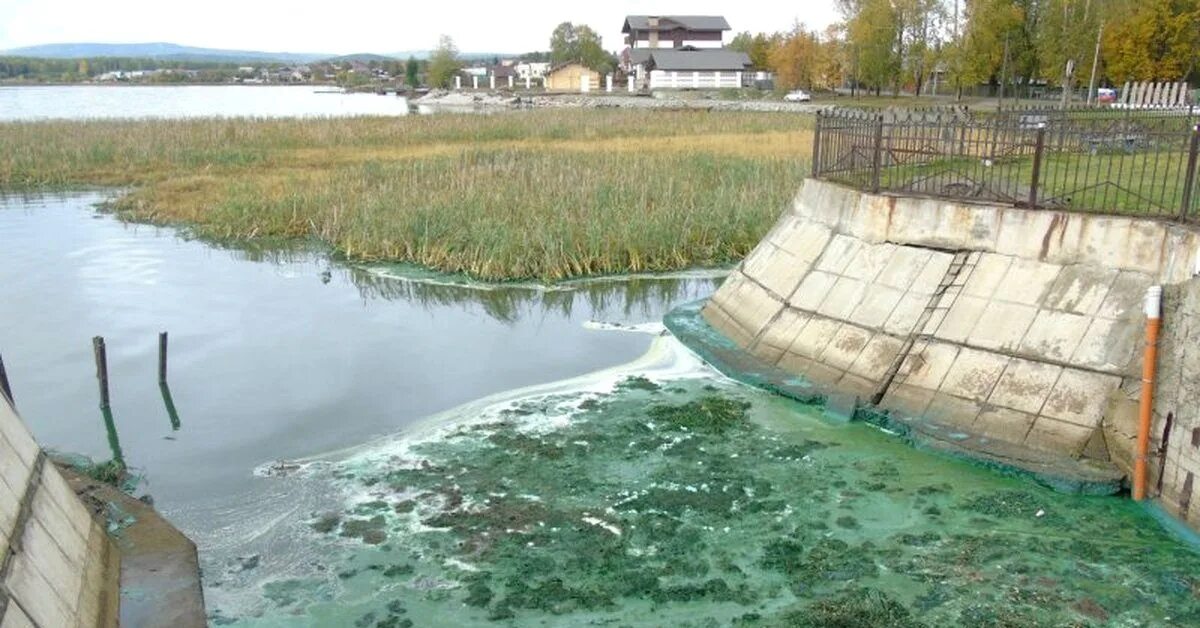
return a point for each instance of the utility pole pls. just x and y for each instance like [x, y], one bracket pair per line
[1095, 63]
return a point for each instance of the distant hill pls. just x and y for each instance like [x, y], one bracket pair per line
[161, 50]
[175, 52]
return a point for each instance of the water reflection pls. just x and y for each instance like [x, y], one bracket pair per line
[629, 297]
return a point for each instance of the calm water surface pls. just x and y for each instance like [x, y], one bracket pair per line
[270, 358]
[188, 101]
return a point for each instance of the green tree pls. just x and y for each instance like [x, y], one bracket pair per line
[412, 71]
[444, 63]
[570, 43]
[1153, 40]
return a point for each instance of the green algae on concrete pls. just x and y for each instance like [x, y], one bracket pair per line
[1066, 475]
[702, 502]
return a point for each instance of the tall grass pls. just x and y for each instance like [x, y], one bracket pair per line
[544, 194]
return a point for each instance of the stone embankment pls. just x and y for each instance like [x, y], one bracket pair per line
[486, 99]
[1007, 334]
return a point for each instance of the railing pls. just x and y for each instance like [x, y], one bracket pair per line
[1093, 160]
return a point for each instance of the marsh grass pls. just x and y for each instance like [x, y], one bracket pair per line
[538, 194]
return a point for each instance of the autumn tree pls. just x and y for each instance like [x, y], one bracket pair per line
[1153, 40]
[796, 60]
[444, 63]
[570, 43]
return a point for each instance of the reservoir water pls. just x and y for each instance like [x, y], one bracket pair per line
[189, 101]
[377, 446]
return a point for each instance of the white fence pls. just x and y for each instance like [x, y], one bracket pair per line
[663, 79]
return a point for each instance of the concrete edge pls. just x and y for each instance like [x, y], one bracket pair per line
[1063, 474]
[159, 567]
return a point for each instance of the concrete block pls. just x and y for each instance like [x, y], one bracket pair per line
[908, 400]
[904, 266]
[15, 618]
[932, 274]
[725, 324]
[14, 470]
[62, 531]
[782, 275]
[814, 337]
[755, 307]
[1058, 437]
[838, 254]
[1180, 253]
[57, 565]
[980, 226]
[927, 364]
[784, 330]
[876, 306]
[843, 298]
[1125, 295]
[1027, 281]
[869, 262]
[1080, 289]
[928, 222]
[876, 357]
[1080, 397]
[794, 363]
[1124, 243]
[960, 320]
[869, 220]
[784, 228]
[985, 275]
[1002, 325]
[19, 439]
[759, 260]
[953, 411]
[843, 349]
[39, 597]
[812, 290]
[766, 352]
[974, 374]
[806, 242]
[10, 507]
[1003, 424]
[852, 384]
[1054, 335]
[906, 314]
[822, 374]
[1024, 233]
[1024, 386]
[57, 489]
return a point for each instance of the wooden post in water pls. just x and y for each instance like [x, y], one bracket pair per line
[101, 369]
[162, 357]
[110, 426]
[4, 387]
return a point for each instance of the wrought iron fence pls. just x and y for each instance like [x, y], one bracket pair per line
[1108, 160]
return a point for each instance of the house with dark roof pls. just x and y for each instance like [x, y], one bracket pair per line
[681, 52]
[674, 31]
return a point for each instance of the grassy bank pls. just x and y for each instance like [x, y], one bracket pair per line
[544, 194]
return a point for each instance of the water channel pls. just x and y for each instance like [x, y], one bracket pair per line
[376, 446]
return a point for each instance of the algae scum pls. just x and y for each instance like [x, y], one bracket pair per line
[681, 498]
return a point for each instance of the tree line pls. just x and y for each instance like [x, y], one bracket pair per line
[960, 45]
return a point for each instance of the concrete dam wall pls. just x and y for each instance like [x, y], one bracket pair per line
[58, 566]
[1013, 333]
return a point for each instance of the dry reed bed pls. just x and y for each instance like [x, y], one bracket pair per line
[544, 194]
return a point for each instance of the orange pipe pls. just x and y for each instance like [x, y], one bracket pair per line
[1146, 408]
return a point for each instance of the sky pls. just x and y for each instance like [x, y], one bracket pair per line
[358, 26]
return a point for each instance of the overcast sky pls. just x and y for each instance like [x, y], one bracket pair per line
[356, 26]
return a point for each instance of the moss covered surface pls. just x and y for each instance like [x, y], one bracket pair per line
[704, 503]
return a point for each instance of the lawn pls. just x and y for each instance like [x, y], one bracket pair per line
[542, 194]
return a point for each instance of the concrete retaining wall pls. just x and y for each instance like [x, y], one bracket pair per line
[1175, 469]
[58, 566]
[1022, 327]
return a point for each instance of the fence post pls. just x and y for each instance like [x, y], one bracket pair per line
[816, 152]
[1037, 165]
[877, 158]
[1189, 177]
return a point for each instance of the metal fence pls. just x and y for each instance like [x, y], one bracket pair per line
[1106, 160]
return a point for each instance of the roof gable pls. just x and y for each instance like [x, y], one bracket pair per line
[671, 22]
[699, 60]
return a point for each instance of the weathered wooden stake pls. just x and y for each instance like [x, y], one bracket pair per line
[4, 387]
[169, 402]
[162, 358]
[101, 369]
